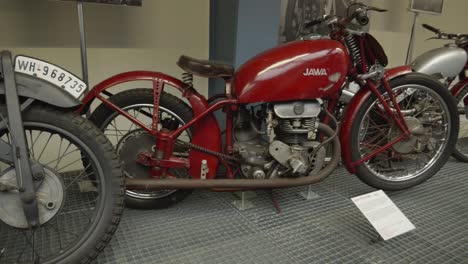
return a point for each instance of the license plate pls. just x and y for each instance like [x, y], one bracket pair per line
[50, 73]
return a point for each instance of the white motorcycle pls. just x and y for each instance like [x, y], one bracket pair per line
[449, 64]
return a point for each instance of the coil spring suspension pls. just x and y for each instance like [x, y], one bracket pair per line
[187, 78]
[354, 50]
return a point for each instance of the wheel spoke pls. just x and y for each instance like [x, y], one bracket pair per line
[77, 209]
[379, 130]
[45, 145]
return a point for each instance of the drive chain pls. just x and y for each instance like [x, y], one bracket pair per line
[211, 152]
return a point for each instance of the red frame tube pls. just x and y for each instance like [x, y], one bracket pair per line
[125, 114]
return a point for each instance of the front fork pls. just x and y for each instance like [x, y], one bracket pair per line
[17, 152]
[398, 118]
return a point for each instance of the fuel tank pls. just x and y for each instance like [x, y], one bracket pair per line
[295, 71]
[448, 61]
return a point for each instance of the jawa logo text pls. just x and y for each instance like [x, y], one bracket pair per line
[315, 72]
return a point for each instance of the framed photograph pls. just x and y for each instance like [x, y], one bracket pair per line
[434, 7]
[112, 2]
[294, 13]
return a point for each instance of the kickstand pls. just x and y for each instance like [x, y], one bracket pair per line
[275, 201]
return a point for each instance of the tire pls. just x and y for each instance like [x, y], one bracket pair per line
[102, 115]
[377, 177]
[109, 188]
[458, 153]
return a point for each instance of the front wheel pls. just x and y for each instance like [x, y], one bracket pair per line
[80, 196]
[461, 149]
[428, 110]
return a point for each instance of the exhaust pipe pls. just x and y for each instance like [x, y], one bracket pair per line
[157, 184]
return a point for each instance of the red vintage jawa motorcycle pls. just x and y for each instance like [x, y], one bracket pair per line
[397, 131]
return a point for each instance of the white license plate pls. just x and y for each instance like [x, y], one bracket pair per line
[51, 73]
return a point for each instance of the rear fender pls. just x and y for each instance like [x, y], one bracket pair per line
[205, 133]
[457, 89]
[351, 111]
[31, 87]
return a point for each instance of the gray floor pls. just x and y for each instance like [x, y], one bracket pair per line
[206, 228]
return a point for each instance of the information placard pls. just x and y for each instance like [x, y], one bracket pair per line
[383, 214]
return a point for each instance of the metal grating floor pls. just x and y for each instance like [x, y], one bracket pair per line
[206, 228]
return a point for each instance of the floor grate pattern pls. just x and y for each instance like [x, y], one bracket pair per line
[206, 228]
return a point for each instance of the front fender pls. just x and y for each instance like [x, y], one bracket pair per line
[351, 111]
[31, 87]
[205, 133]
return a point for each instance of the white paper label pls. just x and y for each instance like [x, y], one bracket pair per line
[383, 214]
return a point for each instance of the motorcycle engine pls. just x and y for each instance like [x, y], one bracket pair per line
[285, 146]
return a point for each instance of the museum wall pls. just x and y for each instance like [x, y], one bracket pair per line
[393, 28]
[152, 37]
[120, 39]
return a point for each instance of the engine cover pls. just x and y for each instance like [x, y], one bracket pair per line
[298, 109]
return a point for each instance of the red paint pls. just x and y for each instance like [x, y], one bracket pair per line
[278, 74]
[205, 133]
[351, 112]
[158, 86]
[400, 120]
[397, 71]
[458, 87]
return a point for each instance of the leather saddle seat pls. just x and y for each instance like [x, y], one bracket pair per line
[205, 68]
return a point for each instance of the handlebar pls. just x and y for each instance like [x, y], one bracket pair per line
[314, 22]
[443, 35]
[360, 14]
[373, 8]
[431, 28]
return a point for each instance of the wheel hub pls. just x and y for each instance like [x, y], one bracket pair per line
[134, 143]
[413, 143]
[49, 196]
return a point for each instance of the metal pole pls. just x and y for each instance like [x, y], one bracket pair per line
[84, 57]
[409, 54]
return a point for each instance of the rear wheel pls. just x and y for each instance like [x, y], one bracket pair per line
[429, 112]
[80, 197]
[129, 140]
[461, 149]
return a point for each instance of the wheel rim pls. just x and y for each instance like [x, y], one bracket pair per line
[395, 164]
[76, 220]
[462, 142]
[116, 132]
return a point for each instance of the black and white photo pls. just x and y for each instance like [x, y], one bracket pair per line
[294, 13]
[427, 6]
